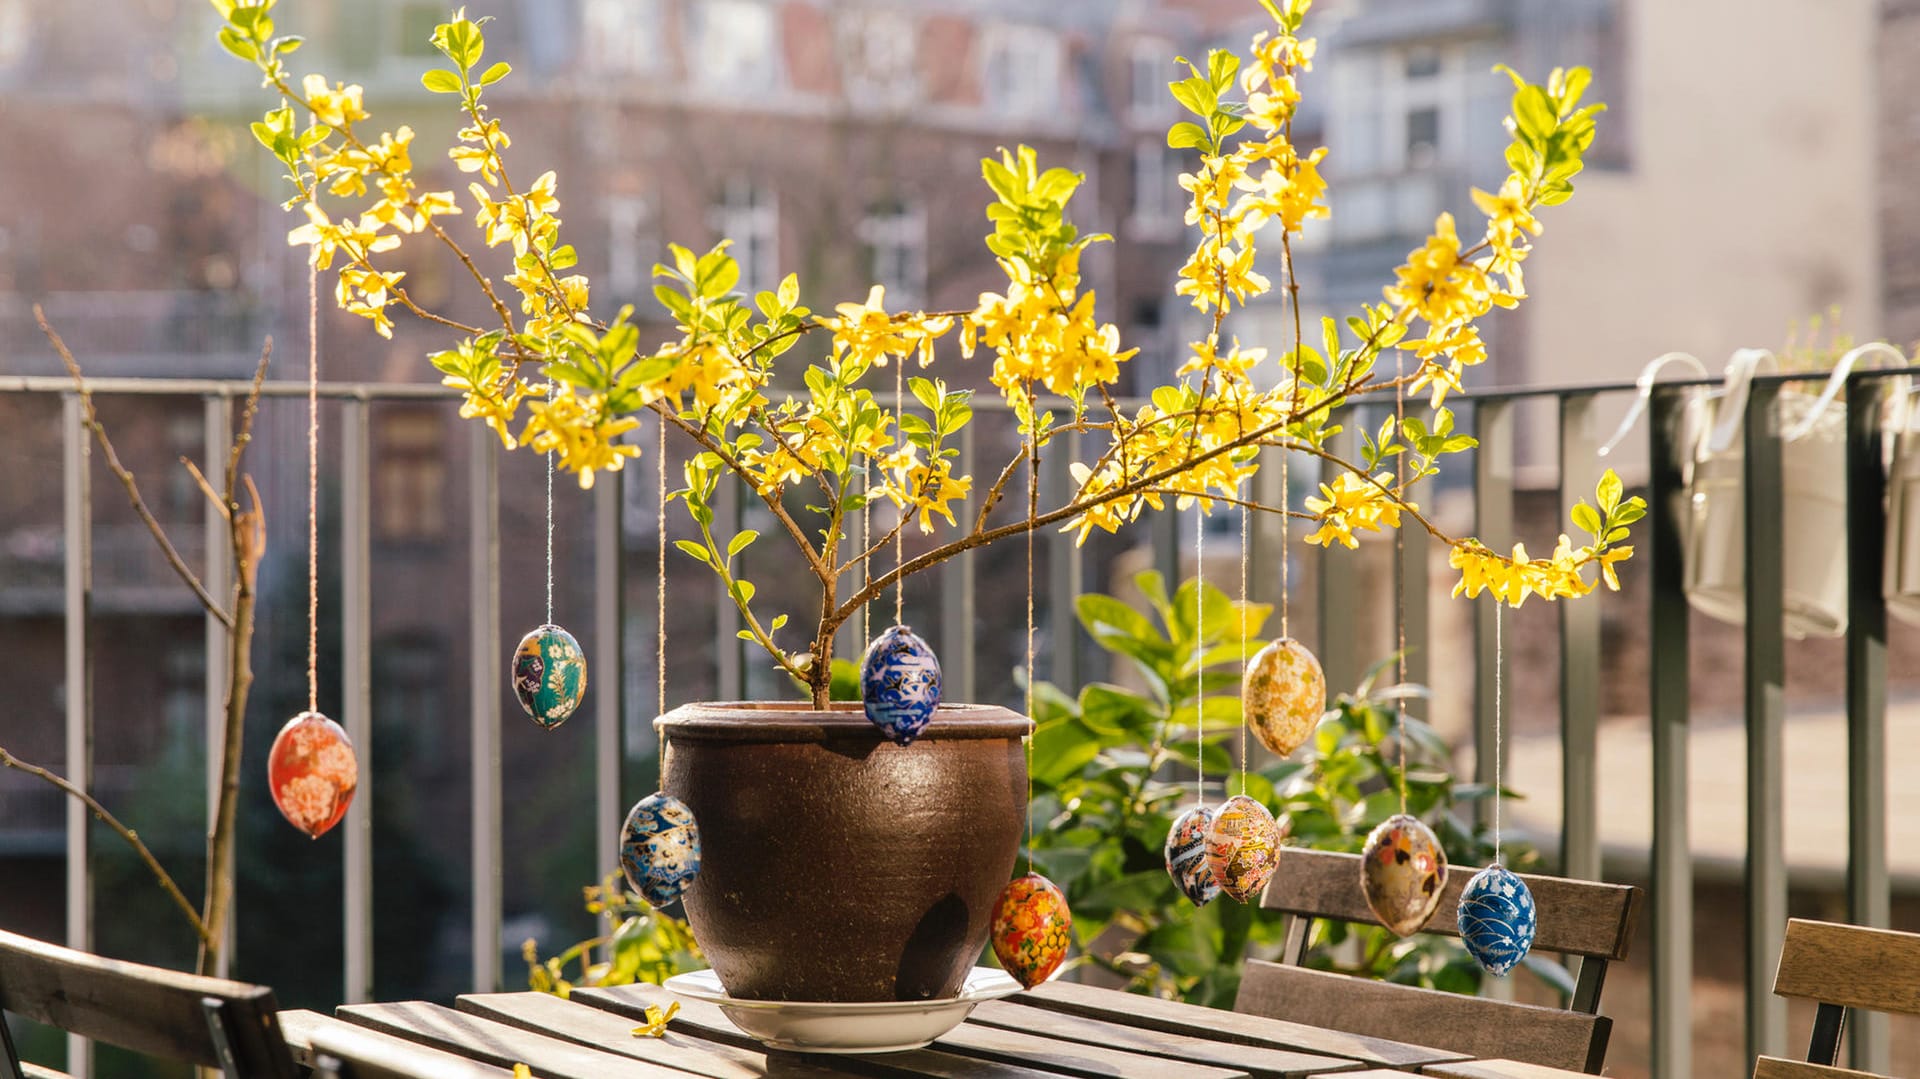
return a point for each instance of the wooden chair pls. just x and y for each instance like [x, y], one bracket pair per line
[1576, 918]
[1841, 967]
[205, 1021]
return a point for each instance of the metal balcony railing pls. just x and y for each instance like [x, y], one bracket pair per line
[1764, 875]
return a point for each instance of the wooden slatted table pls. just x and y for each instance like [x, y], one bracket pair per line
[1058, 1030]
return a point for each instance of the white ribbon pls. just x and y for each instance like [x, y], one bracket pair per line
[1648, 375]
[1839, 379]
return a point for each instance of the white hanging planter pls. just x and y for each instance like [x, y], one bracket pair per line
[1813, 491]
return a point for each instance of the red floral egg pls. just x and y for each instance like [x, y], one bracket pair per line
[312, 772]
[1031, 929]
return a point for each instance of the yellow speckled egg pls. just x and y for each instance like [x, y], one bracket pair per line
[1403, 872]
[1243, 846]
[1283, 693]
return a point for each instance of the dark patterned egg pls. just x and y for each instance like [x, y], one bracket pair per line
[1283, 693]
[900, 684]
[1031, 929]
[1187, 856]
[1403, 872]
[660, 848]
[549, 675]
[312, 772]
[1497, 919]
[1243, 847]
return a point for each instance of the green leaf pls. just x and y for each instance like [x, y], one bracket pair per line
[1534, 113]
[696, 550]
[1609, 491]
[441, 81]
[1187, 135]
[1106, 617]
[496, 73]
[1586, 519]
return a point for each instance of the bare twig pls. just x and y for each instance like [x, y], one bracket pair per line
[133, 840]
[125, 477]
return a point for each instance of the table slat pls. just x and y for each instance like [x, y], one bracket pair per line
[1261, 1063]
[1499, 1069]
[546, 1014]
[496, 1043]
[1214, 1024]
[370, 1054]
[705, 1020]
[1073, 1058]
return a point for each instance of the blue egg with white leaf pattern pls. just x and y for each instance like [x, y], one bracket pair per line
[1497, 919]
[900, 684]
[660, 848]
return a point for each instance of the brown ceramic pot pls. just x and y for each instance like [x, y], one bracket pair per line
[836, 865]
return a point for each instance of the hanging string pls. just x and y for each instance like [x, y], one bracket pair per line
[1199, 619]
[313, 486]
[1499, 690]
[1285, 492]
[866, 541]
[1033, 511]
[550, 391]
[1400, 565]
[660, 611]
[900, 531]
[1243, 634]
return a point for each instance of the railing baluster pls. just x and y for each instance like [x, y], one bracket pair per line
[356, 647]
[956, 593]
[1579, 663]
[1493, 523]
[1671, 872]
[483, 590]
[1766, 870]
[1337, 585]
[609, 642]
[76, 503]
[1867, 890]
[730, 670]
[1063, 567]
[216, 573]
[1163, 538]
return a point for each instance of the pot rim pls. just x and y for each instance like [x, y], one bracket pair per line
[798, 721]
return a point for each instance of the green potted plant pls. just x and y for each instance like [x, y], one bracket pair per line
[917, 839]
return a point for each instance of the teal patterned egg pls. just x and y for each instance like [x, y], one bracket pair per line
[549, 675]
[1497, 919]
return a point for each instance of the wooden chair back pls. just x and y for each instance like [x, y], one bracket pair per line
[1840, 967]
[209, 1022]
[1590, 920]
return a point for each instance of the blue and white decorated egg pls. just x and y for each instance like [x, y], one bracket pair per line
[900, 684]
[1497, 919]
[1187, 856]
[549, 675]
[660, 848]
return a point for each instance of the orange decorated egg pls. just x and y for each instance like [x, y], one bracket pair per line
[1403, 871]
[1243, 846]
[1031, 929]
[1283, 693]
[312, 772]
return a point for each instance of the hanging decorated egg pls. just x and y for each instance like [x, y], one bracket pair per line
[900, 684]
[1031, 929]
[312, 772]
[1497, 919]
[1283, 694]
[1243, 846]
[1187, 856]
[549, 675]
[1403, 872]
[660, 848]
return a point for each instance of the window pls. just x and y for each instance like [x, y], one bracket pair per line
[1422, 62]
[410, 671]
[747, 214]
[879, 51]
[629, 243]
[1021, 76]
[417, 22]
[622, 35]
[410, 476]
[1157, 195]
[184, 693]
[1148, 73]
[735, 46]
[896, 239]
[1423, 136]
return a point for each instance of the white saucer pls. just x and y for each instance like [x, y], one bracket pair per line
[880, 1026]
